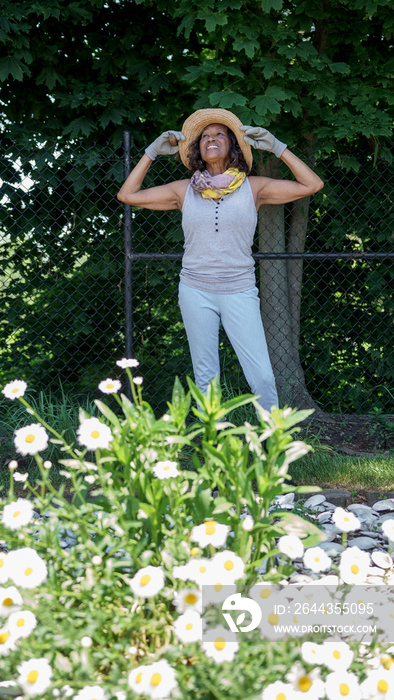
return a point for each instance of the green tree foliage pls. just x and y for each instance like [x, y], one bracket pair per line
[75, 75]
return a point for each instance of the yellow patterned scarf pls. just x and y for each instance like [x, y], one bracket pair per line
[215, 186]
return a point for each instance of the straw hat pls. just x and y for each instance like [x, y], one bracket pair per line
[197, 121]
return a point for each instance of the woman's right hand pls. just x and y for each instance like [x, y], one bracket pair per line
[162, 146]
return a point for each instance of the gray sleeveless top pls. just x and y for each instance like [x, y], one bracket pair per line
[218, 241]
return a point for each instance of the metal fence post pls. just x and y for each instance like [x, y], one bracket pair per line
[128, 244]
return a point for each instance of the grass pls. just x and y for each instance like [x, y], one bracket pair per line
[341, 471]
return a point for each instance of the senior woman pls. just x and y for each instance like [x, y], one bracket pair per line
[219, 207]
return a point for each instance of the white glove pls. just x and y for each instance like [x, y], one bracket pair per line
[162, 145]
[263, 140]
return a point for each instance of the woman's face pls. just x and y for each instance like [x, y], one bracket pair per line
[214, 143]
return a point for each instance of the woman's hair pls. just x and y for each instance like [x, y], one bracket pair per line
[237, 159]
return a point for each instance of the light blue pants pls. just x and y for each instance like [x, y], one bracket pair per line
[241, 320]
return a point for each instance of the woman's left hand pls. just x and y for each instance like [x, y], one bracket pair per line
[263, 140]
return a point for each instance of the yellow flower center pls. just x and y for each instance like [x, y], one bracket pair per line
[15, 391]
[265, 593]
[344, 689]
[32, 677]
[354, 569]
[304, 684]
[189, 626]
[95, 434]
[316, 559]
[280, 696]
[138, 678]
[346, 518]
[30, 438]
[273, 619]
[191, 599]
[16, 514]
[202, 569]
[20, 622]
[228, 565]
[337, 654]
[210, 527]
[1, 563]
[219, 643]
[194, 551]
[218, 587]
[383, 686]
[110, 386]
[166, 469]
[7, 602]
[145, 579]
[387, 663]
[3, 637]
[155, 680]
[28, 571]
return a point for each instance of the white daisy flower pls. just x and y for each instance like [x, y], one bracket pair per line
[220, 644]
[35, 676]
[291, 546]
[353, 567]
[188, 599]
[217, 591]
[26, 568]
[138, 380]
[15, 389]
[196, 570]
[31, 439]
[247, 523]
[110, 386]
[7, 641]
[10, 601]
[165, 470]
[311, 653]
[210, 532]
[94, 435]
[337, 655]
[91, 692]
[160, 680]
[283, 691]
[188, 627]
[18, 476]
[3, 567]
[307, 683]
[263, 591]
[127, 363]
[378, 685]
[147, 582]
[227, 566]
[316, 559]
[345, 521]
[341, 684]
[137, 679]
[17, 514]
[388, 529]
[21, 623]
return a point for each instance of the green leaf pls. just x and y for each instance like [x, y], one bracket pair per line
[82, 125]
[10, 66]
[294, 525]
[226, 100]
[110, 415]
[268, 5]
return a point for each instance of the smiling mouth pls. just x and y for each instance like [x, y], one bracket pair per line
[213, 146]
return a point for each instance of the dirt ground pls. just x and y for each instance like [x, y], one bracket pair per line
[352, 434]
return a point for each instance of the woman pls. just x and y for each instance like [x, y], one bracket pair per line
[219, 215]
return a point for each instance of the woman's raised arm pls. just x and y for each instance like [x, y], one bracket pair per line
[163, 197]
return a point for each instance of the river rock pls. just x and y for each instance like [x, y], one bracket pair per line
[384, 505]
[363, 542]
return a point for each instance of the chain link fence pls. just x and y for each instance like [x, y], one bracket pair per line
[85, 281]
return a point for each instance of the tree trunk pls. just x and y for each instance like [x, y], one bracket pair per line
[280, 293]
